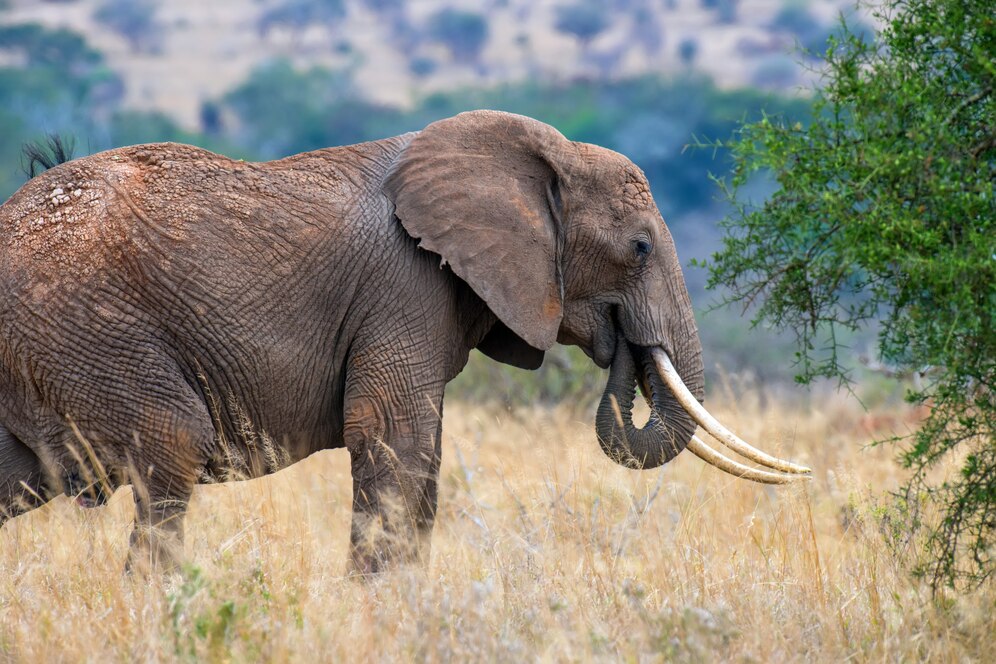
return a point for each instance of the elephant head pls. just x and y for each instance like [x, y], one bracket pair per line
[564, 243]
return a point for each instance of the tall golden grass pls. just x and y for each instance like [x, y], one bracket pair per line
[543, 550]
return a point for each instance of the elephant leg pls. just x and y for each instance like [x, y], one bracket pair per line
[155, 435]
[163, 475]
[430, 495]
[394, 447]
[157, 537]
[22, 477]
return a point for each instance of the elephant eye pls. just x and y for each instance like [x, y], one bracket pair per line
[642, 248]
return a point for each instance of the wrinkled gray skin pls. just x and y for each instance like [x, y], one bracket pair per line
[178, 310]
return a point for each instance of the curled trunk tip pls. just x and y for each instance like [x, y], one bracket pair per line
[668, 429]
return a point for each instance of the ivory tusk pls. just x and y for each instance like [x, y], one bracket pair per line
[714, 458]
[698, 412]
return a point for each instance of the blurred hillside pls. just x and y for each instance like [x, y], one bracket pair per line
[173, 56]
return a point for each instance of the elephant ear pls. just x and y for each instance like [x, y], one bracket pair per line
[480, 189]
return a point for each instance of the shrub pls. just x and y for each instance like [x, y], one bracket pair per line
[884, 216]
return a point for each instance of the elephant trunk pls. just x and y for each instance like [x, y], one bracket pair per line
[669, 428]
[675, 396]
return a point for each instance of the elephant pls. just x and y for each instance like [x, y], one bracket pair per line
[170, 316]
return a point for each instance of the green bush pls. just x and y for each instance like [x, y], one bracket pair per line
[885, 211]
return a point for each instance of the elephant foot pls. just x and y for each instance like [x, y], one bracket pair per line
[154, 550]
[375, 548]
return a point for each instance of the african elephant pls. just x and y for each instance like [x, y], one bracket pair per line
[170, 316]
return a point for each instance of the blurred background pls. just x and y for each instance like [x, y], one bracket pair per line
[260, 79]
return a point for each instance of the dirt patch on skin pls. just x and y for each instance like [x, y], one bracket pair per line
[76, 217]
[58, 218]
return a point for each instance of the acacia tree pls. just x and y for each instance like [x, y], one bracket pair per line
[885, 214]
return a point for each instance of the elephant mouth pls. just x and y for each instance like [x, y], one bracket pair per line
[674, 414]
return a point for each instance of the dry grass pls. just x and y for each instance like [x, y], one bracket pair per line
[543, 550]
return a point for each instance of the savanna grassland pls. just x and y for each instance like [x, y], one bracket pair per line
[543, 550]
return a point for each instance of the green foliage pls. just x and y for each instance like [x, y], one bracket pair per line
[585, 20]
[463, 33]
[205, 625]
[885, 211]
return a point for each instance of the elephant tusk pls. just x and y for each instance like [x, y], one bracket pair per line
[698, 412]
[714, 458]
